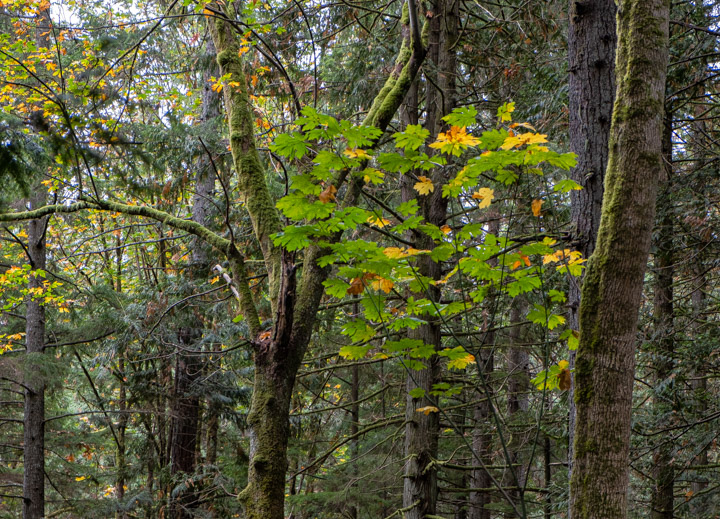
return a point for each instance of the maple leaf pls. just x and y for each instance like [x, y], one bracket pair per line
[515, 141]
[564, 378]
[485, 195]
[536, 206]
[454, 141]
[425, 186]
[378, 221]
[328, 194]
[357, 153]
[427, 409]
[383, 284]
[356, 287]
[461, 362]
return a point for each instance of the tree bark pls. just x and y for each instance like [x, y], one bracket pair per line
[278, 356]
[420, 487]
[34, 407]
[591, 54]
[518, 364]
[34, 416]
[663, 401]
[613, 283]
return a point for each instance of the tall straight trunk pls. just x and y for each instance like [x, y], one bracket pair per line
[189, 364]
[34, 406]
[591, 54]
[422, 429]
[518, 365]
[482, 414]
[612, 288]
[662, 499]
[34, 416]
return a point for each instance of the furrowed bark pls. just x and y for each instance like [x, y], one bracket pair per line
[189, 361]
[592, 42]
[613, 283]
[420, 487]
[34, 417]
[664, 347]
[34, 407]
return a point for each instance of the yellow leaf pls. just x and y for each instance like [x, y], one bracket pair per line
[462, 362]
[427, 410]
[394, 252]
[378, 221]
[383, 284]
[563, 364]
[485, 195]
[446, 229]
[356, 153]
[214, 280]
[80, 478]
[524, 125]
[454, 140]
[515, 141]
[425, 186]
[536, 206]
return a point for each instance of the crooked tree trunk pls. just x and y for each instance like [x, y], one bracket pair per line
[278, 357]
[613, 283]
[591, 54]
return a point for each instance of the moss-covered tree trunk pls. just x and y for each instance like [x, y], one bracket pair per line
[613, 283]
[278, 355]
[591, 83]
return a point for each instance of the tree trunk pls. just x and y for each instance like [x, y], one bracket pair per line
[34, 418]
[662, 500]
[613, 283]
[422, 429]
[34, 407]
[518, 364]
[481, 435]
[278, 357]
[591, 82]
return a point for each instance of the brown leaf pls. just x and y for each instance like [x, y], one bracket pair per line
[328, 194]
[564, 380]
[356, 287]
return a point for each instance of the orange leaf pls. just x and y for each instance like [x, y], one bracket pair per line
[328, 194]
[536, 206]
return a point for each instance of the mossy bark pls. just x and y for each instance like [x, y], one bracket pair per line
[250, 170]
[278, 357]
[613, 283]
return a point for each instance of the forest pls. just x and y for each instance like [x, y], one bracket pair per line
[359, 259]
